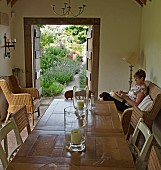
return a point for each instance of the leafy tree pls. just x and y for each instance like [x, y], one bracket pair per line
[78, 32]
[46, 40]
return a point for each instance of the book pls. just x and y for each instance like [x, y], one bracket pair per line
[116, 96]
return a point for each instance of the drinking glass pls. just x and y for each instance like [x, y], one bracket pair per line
[92, 103]
[74, 130]
[80, 99]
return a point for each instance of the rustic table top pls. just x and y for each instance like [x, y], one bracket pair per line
[106, 147]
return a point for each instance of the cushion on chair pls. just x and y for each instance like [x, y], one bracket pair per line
[3, 106]
[146, 104]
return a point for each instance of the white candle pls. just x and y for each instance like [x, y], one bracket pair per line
[8, 40]
[14, 40]
[75, 136]
[80, 104]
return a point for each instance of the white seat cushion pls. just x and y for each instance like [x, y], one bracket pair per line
[146, 104]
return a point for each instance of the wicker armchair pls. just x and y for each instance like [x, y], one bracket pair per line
[15, 101]
[16, 88]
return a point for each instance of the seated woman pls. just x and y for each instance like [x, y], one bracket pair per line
[131, 98]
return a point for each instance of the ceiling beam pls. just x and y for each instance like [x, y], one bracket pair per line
[139, 2]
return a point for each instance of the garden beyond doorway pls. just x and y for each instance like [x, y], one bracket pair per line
[63, 57]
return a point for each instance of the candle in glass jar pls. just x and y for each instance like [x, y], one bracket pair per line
[80, 104]
[75, 136]
[14, 40]
[8, 40]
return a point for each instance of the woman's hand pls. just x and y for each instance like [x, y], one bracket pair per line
[120, 92]
[125, 97]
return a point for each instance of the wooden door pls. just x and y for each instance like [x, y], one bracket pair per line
[92, 64]
[89, 57]
[36, 74]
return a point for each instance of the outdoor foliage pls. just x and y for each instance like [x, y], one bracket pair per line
[78, 33]
[59, 45]
[82, 77]
[51, 88]
[64, 70]
[51, 56]
[57, 71]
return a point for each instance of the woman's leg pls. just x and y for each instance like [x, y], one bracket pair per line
[121, 106]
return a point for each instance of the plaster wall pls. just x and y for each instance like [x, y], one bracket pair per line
[120, 33]
[151, 50]
[5, 63]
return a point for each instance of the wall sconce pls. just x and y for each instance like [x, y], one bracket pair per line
[7, 44]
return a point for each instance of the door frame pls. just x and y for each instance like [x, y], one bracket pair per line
[29, 21]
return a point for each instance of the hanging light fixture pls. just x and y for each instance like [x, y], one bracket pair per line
[67, 10]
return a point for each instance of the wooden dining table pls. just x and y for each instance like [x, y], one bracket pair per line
[105, 144]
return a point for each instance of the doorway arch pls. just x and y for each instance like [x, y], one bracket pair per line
[95, 22]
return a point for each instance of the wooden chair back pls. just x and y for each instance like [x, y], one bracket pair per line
[69, 94]
[139, 154]
[154, 161]
[3, 137]
[21, 119]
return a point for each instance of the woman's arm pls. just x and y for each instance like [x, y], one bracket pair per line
[139, 98]
[120, 92]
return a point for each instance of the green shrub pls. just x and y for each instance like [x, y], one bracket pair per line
[82, 77]
[51, 56]
[64, 70]
[53, 89]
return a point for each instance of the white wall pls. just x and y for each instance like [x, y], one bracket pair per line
[5, 63]
[120, 33]
[151, 40]
[151, 50]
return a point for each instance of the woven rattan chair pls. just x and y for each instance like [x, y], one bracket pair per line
[16, 88]
[15, 101]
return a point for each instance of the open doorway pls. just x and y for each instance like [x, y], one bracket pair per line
[63, 58]
[93, 42]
